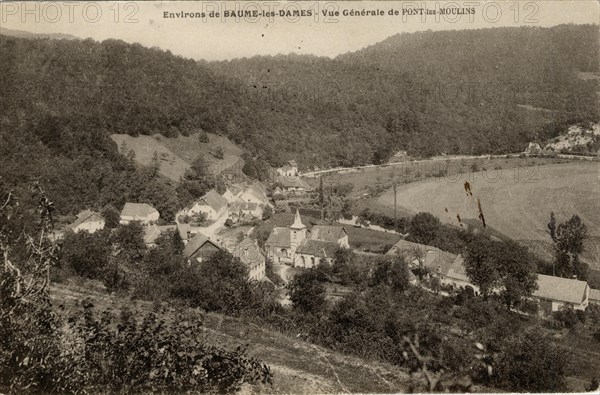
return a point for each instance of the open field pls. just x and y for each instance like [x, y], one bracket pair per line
[375, 179]
[517, 204]
[176, 154]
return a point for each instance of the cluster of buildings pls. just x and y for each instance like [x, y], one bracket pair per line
[552, 294]
[297, 246]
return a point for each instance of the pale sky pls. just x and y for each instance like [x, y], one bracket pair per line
[218, 38]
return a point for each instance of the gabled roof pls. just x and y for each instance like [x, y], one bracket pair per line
[152, 232]
[259, 187]
[86, 216]
[244, 206]
[213, 199]
[280, 236]
[327, 233]
[195, 244]
[292, 182]
[438, 261]
[137, 210]
[249, 253]
[292, 163]
[560, 289]
[318, 248]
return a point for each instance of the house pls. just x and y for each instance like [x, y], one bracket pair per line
[553, 293]
[533, 149]
[199, 248]
[255, 193]
[330, 233]
[239, 211]
[153, 232]
[449, 268]
[232, 194]
[295, 246]
[290, 169]
[88, 221]
[291, 186]
[250, 254]
[594, 296]
[142, 212]
[211, 204]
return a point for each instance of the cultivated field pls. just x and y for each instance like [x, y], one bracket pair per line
[516, 202]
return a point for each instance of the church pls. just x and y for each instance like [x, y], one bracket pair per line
[297, 246]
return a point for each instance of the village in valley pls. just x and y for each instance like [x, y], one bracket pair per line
[289, 208]
[225, 222]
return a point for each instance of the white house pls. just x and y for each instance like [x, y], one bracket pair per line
[553, 293]
[142, 212]
[232, 194]
[290, 169]
[211, 204]
[255, 193]
[88, 221]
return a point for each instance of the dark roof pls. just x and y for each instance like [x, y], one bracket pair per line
[195, 244]
[292, 163]
[86, 216]
[560, 289]
[259, 187]
[319, 248]
[327, 233]
[137, 210]
[279, 236]
[437, 260]
[213, 199]
[292, 182]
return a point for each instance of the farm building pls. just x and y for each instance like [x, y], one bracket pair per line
[250, 254]
[296, 246]
[142, 212]
[88, 221]
[199, 248]
[211, 204]
[553, 293]
[291, 185]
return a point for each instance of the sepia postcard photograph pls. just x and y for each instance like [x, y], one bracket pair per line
[312, 197]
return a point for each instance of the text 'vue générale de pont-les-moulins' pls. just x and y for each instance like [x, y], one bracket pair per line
[327, 12]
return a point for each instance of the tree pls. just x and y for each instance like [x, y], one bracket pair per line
[423, 228]
[306, 291]
[220, 283]
[155, 164]
[569, 244]
[203, 137]
[530, 362]
[219, 153]
[86, 253]
[111, 215]
[552, 227]
[129, 240]
[503, 267]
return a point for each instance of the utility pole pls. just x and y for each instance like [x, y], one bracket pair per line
[395, 209]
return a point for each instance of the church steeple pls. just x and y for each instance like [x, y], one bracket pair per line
[297, 222]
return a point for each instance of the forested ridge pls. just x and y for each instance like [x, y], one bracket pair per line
[61, 99]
